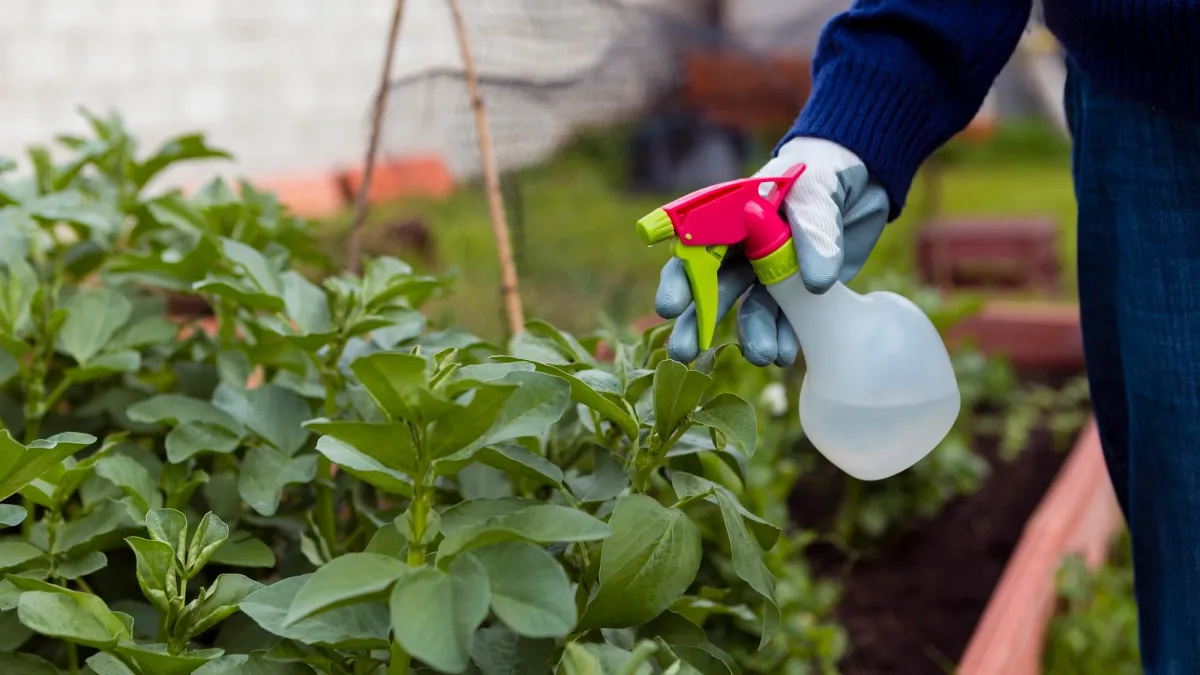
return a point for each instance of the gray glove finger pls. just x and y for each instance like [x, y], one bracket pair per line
[732, 281]
[674, 294]
[757, 329]
[863, 221]
[818, 247]
[789, 344]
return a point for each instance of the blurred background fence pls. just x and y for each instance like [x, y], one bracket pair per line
[287, 84]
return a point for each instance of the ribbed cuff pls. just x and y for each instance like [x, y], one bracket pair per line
[890, 122]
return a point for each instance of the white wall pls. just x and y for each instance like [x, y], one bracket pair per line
[287, 84]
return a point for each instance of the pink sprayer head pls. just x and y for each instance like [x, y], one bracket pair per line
[710, 220]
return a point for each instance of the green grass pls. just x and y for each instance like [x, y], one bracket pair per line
[580, 260]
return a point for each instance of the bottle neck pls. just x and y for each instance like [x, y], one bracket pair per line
[814, 317]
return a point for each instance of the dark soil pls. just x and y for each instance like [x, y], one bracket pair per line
[912, 609]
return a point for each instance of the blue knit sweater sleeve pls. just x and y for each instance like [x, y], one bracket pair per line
[895, 79]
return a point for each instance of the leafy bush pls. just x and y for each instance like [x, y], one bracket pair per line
[1095, 631]
[319, 480]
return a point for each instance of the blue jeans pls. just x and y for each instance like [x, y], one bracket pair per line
[1137, 181]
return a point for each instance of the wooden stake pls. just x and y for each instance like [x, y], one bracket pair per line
[491, 176]
[354, 247]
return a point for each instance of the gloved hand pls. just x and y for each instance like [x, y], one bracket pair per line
[836, 213]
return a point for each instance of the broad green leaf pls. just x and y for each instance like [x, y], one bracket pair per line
[82, 565]
[402, 325]
[15, 553]
[507, 457]
[732, 416]
[11, 515]
[305, 304]
[535, 406]
[565, 341]
[177, 149]
[12, 634]
[155, 658]
[462, 426]
[383, 277]
[255, 265]
[649, 561]
[602, 381]
[93, 317]
[364, 467]
[170, 527]
[209, 536]
[471, 376]
[106, 525]
[480, 481]
[265, 473]
[274, 413]
[530, 591]
[389, 444]
[475, 511]
[9, 367]
[216, 603]
[748, 562]
[157, 574]
[27, 664]
[576, 660]
[177, 409]
[688, 642]
[360, 626]
[687, 485]
[435, 613]
[606, 481]
[498, 651]
[133, 479]
[243, 550]
[192, 438]
[354, 577]
[588, 396]
[397, 383]
[20, 464]
[103, 663]
[69, 615]
[528, 347]
[239, 292]
[251, 664]
[104, 365]
[677, 392]
[539, 524]
[147, 332]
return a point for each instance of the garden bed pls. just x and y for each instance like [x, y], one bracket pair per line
[912, 608]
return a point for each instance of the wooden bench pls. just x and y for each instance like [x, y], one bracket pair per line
[1013, 253]
[747, 92]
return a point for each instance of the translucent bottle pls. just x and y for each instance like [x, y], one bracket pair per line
[880, 391]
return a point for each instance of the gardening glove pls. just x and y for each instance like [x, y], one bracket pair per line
[836, 212]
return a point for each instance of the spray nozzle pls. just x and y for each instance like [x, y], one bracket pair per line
[708, 221]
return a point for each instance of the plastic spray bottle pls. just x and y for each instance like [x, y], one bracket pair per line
[880, 392]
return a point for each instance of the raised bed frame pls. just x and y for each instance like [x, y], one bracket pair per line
[1079, 514]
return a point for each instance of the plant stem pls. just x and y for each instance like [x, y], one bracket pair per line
[419, 510]
[400, 660]
[226, 335]
[354, 247]
[72, 659]
[326, 509]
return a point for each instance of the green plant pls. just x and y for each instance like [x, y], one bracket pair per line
[1060, 410]
[1095, 630]
[396, 496]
